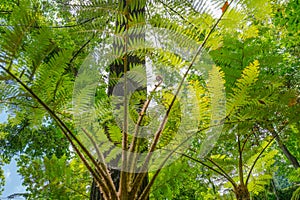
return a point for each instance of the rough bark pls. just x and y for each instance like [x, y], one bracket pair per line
[242, 192]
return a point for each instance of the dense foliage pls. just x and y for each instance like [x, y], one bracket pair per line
[240, 59]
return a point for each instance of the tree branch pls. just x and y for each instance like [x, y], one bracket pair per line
[240, 164]
[140, 176]
[67, 132]
[256, 159]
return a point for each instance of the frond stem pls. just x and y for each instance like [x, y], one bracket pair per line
[141, 176]
[256, 159]
[67, 132]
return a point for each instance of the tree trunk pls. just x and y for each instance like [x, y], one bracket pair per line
[118, 69]
[293, 160]
[95, 191]
[242, 192]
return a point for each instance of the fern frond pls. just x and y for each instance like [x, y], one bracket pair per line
[217, 105]
[21, 21]
[203, 102]
[296, 194]
[37, 47]
[52, 76]
[240, 94]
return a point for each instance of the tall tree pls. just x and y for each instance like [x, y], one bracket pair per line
[121, 66]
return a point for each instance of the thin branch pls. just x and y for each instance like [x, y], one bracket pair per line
[166, 159]
[282, 146]
[54, 27]
[274, 135]
[67, 132]
[98, 152]
[104, 172]
[64, 128]
[240, 163]
[245, 141]
[5, 11]
[223, 171]
[103, 186]
[134, 141]
[141, 176]
[124, 167]
[147, 189]
[256, 159]
[81, 48]
[140, 118]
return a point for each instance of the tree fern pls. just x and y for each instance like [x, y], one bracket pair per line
[87, 84]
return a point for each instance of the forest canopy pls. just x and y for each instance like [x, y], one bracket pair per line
[151, 99]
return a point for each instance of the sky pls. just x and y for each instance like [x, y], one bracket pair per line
[13, 181]
[12, 178]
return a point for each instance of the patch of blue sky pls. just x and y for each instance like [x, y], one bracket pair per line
[13, 181]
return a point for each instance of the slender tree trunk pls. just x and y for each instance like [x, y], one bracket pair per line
[118, 69]
[242, 192]
[288, 154]
[274, 189]
[293, 160]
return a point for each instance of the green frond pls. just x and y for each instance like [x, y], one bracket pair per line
[112, 156]
[104, 110]
[261, 10]
[203, 101]
[261, 174]
[174, 121]
[8, 91]
[22, 21]
[294, 176]
[223, 160]
[258, 185]
[296, 194]
[216, 88]
[54, 177]
[114, 133]
[233, 18]
[52, 76]
[169, 59]
[217, 103]
[38, 46]
[240, 94]
[193, 31]
[137, 75]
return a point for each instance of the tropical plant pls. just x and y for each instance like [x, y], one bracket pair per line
[44, 72]
[42, 58]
